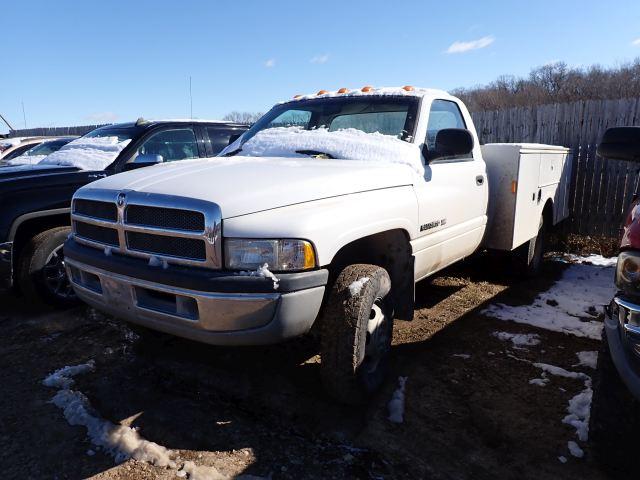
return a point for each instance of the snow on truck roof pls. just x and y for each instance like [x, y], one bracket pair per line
[406, 91]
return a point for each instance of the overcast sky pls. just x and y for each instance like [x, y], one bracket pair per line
[93, 62]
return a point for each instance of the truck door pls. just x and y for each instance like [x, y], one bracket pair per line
[452, 200]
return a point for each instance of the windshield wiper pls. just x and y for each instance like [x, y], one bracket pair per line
[316, 154]
[233, 152]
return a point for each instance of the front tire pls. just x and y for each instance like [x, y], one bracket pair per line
[357, 328]
[41, 274]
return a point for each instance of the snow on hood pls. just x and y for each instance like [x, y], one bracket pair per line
[88, 153]
[243, 185]
[349, 144]
[26, 160]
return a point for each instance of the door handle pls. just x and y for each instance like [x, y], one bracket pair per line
[480, 180]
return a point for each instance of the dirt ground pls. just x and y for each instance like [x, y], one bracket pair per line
[470, 410]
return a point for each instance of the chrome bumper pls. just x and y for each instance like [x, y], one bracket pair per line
[214, 318]
[622, 328]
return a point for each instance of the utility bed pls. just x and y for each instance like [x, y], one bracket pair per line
[521, 175]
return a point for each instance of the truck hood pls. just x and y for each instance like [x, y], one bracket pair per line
[243, 185]
[10, 172]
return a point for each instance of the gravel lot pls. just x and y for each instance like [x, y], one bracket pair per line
[471, 412]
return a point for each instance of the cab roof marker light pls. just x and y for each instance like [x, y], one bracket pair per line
[408, 88]
[295, 97]
[322, 92]
[343, 90]
[367, 88]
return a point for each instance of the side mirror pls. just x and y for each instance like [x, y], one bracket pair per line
[450, 143]
[143, 160]
[621, 143]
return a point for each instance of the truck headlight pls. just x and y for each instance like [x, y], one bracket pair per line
[281, 255]
[628, 271]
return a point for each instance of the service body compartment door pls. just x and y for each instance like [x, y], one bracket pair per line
[527, 210]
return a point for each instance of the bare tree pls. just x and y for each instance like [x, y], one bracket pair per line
[242, 117]
[555, 83]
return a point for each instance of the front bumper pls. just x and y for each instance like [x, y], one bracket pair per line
[6, 265]
[622, 326]
[206, 306]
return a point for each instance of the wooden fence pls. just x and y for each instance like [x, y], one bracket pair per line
[53, 131]
[600, 189]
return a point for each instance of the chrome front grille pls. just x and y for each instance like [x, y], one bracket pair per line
[180, 230]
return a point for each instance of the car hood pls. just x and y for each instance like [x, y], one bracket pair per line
[10, 172]
[243, 185]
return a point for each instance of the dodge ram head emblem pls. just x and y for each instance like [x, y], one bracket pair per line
[122, 198]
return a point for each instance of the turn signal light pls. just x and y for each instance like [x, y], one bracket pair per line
[368, 88]
[514, 186]
[322, 92]
[343, 90]
[408, 88]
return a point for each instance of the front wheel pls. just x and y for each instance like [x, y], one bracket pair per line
[356, 333]
[41, 274]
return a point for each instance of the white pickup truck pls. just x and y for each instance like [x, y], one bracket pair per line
[324, 214]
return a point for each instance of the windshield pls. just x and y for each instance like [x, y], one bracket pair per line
[96, 150]
[393, 116]
[46, 148]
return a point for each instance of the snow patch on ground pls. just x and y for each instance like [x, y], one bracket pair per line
[63, 377]
[356, 287]
[87, 153]
[396, 404]
[200, 472]
[541, 382]
[597, 260]
[587, 359]
[263, 272]
[575, 450]
[519, 340]
[464, 356]
[348, 144]
[562, 308]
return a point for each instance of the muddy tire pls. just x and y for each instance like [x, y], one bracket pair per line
[615, 419]
[40, 269]
[357, 327]
[528, 257]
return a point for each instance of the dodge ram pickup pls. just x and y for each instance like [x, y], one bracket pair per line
[36, 199]
[323, 214]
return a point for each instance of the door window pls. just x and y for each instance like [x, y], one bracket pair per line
[443, 114]
[177, 144]
[220, 138]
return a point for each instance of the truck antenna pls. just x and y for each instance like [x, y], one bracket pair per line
[190, 99]
[24, 115]
[5, 121]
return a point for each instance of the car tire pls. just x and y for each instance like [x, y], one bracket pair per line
[615, 419]
[356, 332]
[528, 257]
[40, 274]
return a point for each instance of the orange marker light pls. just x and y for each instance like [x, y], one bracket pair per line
[408, 88]
[322, 92]
[514, 186]
[343, 90]
[368, 88]
[296, 96]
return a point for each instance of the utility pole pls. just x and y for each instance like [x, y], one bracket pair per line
[24, 116]
[190, 99]
[5, 121]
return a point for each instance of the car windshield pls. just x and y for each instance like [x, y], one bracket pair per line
[387, 115]
[46, 148]
[96, 150]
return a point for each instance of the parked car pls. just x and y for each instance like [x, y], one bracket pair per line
[36, 199]
[38, 153]
[13, 147]
[615, 416]
[325, 212]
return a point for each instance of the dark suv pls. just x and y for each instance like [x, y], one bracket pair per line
[35, 199]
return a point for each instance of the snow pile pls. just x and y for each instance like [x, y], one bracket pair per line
[587, 359]
[63, 377]
[88, 153]
[578, 294]
[356, 287]
[379, 91]
[349, 144]
[11, 142]
[519, 340]
[200, 472]
[396, 404]
[263, 272]
[26, 160]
